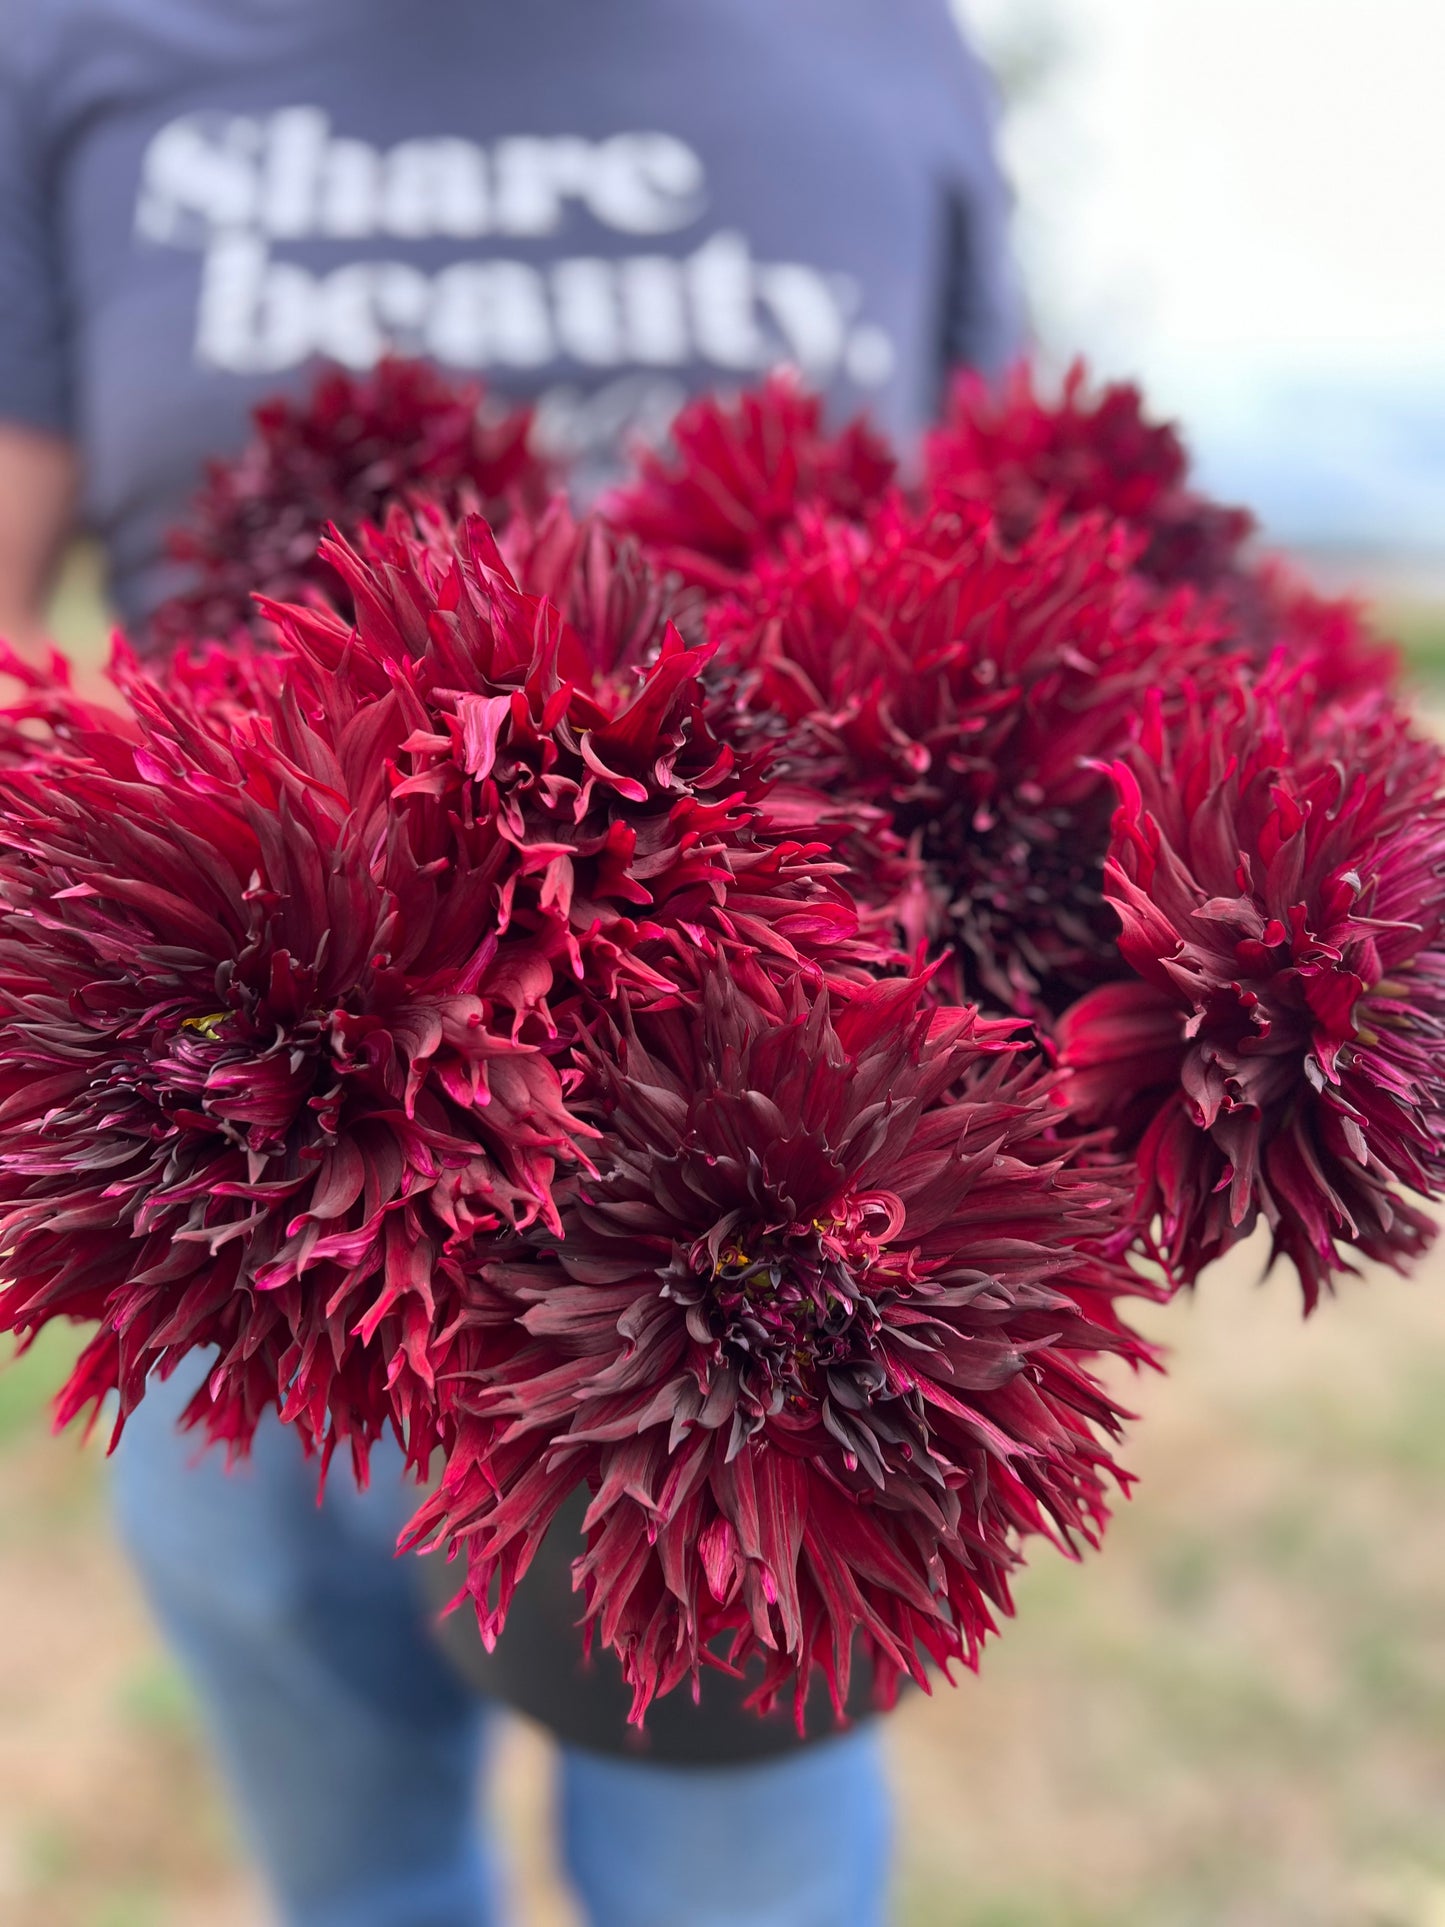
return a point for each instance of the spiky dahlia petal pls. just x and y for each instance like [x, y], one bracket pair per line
[618, 603]
[229, 1118]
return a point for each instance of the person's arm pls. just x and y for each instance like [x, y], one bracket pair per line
[38, 465]
[39, 475]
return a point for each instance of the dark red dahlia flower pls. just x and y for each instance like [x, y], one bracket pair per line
[1281, 1053]
[337, 456]
[967, 690]
[629, 833]
[263, 1077]
[740, 473]
[817, 1338]
[1019, 456]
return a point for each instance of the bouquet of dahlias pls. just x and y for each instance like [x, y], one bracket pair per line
[721, 1002]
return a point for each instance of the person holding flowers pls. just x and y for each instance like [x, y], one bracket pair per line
[596, 212]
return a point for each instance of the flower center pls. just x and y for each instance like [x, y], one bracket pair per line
[796, 1309]
[1026, 903]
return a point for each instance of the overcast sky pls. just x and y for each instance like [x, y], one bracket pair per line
[1244, 202]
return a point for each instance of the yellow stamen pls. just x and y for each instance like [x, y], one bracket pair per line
[207, 1027]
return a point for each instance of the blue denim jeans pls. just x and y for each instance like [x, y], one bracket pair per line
[353, 1753]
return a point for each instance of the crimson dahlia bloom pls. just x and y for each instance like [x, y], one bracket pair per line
[963, 692]
[818, 1338]
[262, 1078]
[740, 472]
[339, 455]
[1279, 1054]
[1019, 455]
[631, 834]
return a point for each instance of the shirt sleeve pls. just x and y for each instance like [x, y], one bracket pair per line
[983, 324]
[34, 346]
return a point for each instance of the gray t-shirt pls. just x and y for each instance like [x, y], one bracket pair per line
[603, 204]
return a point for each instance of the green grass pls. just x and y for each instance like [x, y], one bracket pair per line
[50, 1853]
[156, 1699]
[30, 1382]
[142, 1906]
[77, 614]
[1419, 628]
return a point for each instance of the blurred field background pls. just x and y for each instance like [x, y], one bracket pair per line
[1234, 1717]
